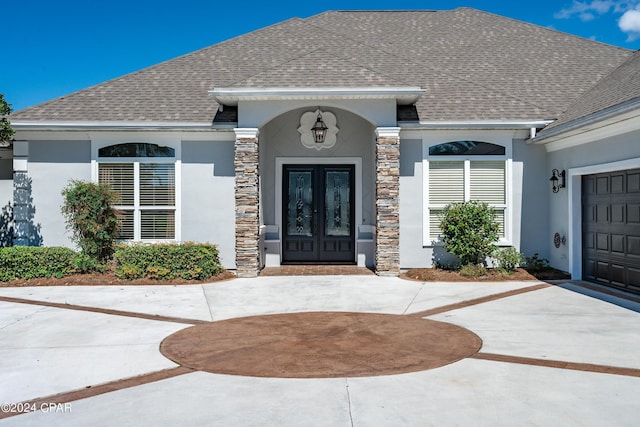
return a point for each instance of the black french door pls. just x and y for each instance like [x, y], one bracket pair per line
[318, 214]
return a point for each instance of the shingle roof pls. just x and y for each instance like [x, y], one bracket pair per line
[620, 87]
[473, 66]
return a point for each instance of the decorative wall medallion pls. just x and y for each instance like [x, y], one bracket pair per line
[308, 120]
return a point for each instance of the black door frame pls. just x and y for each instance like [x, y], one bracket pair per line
[341, 249]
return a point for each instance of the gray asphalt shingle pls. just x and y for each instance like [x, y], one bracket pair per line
[473, 66]
[619, 87]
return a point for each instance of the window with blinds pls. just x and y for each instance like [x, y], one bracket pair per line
[157, 184]
[119, 176]
[464, 180]
[147, 197]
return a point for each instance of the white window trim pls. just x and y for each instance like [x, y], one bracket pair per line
[105, 140]
[427, 239]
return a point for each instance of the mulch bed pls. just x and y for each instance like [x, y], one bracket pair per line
[421, 274]
[109, 279]
[440, 275]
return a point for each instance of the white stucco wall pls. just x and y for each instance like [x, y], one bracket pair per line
[606, 155]
[52, 164]
[6, 191]
[412, 252]
[208, 198]
[527, 193]
[531, 192]
[6, 176]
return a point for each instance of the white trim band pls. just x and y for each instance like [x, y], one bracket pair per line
[231, 96]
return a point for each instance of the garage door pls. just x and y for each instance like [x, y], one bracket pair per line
[611, 229]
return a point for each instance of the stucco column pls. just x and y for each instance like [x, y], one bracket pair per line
[387, 206]
[247, 202]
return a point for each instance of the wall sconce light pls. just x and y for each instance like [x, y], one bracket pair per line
[319, 130]
[557, 180]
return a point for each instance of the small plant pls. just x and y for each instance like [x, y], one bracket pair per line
[473, 270]
[6, 226]
[6, 132]
[469, 230]
[447, 266]
[508, 259]
[90, 217]
[535, 263]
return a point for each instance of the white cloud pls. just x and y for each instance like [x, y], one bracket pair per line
[587, 10]
[630, 24]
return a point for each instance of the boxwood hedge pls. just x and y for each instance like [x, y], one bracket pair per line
[29, 262]
[191, 261]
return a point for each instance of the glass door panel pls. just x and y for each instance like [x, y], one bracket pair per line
[300, 204]
[337, 203]
[317, 214]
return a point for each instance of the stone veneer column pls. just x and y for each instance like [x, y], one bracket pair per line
[247, 202]
[387, 208]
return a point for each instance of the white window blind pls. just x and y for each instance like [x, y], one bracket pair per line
[157, 184]
[126, 224]
[435, 216]
[487, 181]
[157, 224]
[120, 177]
[446, 182]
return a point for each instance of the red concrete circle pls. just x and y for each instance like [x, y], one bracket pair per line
[320, 345]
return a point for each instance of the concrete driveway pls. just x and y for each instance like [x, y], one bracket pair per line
[550, 355]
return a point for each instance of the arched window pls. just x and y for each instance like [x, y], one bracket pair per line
[136, 149]
[460, 171]
[467, 148]
[143, 175]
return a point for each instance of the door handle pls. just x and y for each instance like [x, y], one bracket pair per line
[314, 221]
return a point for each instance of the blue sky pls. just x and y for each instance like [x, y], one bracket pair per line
[52, 48]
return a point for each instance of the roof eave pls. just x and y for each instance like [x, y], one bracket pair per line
[476, 124]
[54, 125]
[404, 95]
[602, 118]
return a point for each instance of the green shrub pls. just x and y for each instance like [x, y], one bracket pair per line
[167, 261]
[29, 262]
[469, 230]
[473, 270]
[447, 266]
[83, 263]
[90, 217]
[158, 273]
[129, 272]
[535, 263]
[508, 259]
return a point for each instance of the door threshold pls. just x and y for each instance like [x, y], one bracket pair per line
[317, 270]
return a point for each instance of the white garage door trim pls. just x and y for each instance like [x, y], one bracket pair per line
[575, 206]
